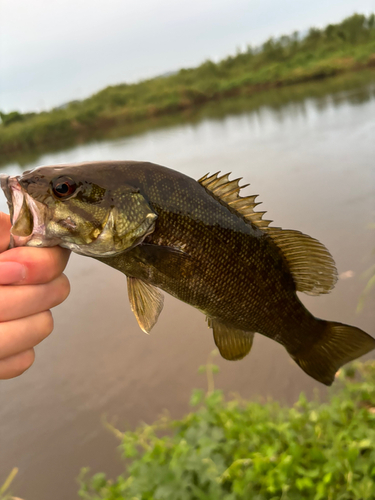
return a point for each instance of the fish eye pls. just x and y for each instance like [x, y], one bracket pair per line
[63, 187]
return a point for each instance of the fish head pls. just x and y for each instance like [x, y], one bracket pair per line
[66, 206]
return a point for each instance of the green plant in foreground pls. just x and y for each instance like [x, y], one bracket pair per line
[370, 276]
[235, 449]
[5, 487]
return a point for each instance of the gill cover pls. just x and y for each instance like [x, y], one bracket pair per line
[127, 224]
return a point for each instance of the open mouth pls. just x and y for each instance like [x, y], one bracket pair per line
[26, 214]
[4, 180]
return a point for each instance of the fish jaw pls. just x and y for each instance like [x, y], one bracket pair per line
[40, 223]
[27, 216]
[4, 182]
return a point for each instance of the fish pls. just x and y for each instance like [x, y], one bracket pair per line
[199, 241]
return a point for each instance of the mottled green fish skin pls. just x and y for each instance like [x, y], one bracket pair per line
[229, 269]
[203, 252]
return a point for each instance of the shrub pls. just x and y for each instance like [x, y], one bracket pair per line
[235, 450]
[12, 117]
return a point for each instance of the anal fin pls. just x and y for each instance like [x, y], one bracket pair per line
[146, 302]
[232, 343]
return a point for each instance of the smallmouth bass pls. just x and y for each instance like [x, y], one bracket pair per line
[199, 241]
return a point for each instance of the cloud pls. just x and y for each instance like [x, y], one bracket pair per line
[52, 52]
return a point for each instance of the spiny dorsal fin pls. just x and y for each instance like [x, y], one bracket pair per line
[146, 302]
[228, 192]
[309, 261]
[232, 343]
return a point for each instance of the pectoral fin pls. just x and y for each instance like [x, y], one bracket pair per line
[146, 302]
[233, 344]
[169, 261]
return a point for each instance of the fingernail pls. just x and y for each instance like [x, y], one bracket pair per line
[11, 272]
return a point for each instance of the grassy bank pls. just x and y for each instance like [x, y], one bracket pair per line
[235, 449]
[347, 46]
[352, 87]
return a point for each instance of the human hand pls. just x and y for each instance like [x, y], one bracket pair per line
[37, 285]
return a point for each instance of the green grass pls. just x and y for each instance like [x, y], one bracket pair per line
[235, 449]
[347, 46]
[6, 485]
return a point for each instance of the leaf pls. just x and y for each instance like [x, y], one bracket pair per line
[196, 397]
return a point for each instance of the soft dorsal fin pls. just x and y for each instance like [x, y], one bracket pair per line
[146, 302]
[312, 266]
[310, 263]
[232, 343]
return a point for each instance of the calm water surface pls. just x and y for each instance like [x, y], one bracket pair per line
[312, 163]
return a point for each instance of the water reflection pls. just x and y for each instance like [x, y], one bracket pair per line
[312, 161]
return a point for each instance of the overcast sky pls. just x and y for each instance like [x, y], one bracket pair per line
[55, 51]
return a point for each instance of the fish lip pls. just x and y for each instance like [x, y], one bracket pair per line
[10, 186]
[4, 183]
[16, 195]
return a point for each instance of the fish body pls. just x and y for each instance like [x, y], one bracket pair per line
[206, 256]
[200, 242]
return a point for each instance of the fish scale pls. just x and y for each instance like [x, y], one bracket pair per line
[201, 242]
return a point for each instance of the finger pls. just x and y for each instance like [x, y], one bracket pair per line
[21, 301]
[5, 226]
[23, 334]
[39, 265]
[16, 365]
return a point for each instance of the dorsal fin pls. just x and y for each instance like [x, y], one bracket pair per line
[228, 192]
[310, 263]
[312, 266]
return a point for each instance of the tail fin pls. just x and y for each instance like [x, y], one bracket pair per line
[338, 344]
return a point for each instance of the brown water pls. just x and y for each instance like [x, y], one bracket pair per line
[312, 162]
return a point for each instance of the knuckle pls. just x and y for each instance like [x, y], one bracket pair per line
[47, 323]
[44, 265]
[61, 289]
[56, 261]
[64, 287]
[16, 365]
[48, 265]
[23, 361]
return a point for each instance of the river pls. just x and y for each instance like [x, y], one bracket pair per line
[311, 160]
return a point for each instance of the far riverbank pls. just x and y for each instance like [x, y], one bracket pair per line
[347, 47]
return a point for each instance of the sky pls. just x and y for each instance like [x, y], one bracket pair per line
[52, 52]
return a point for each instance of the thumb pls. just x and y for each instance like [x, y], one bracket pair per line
[5, 226]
